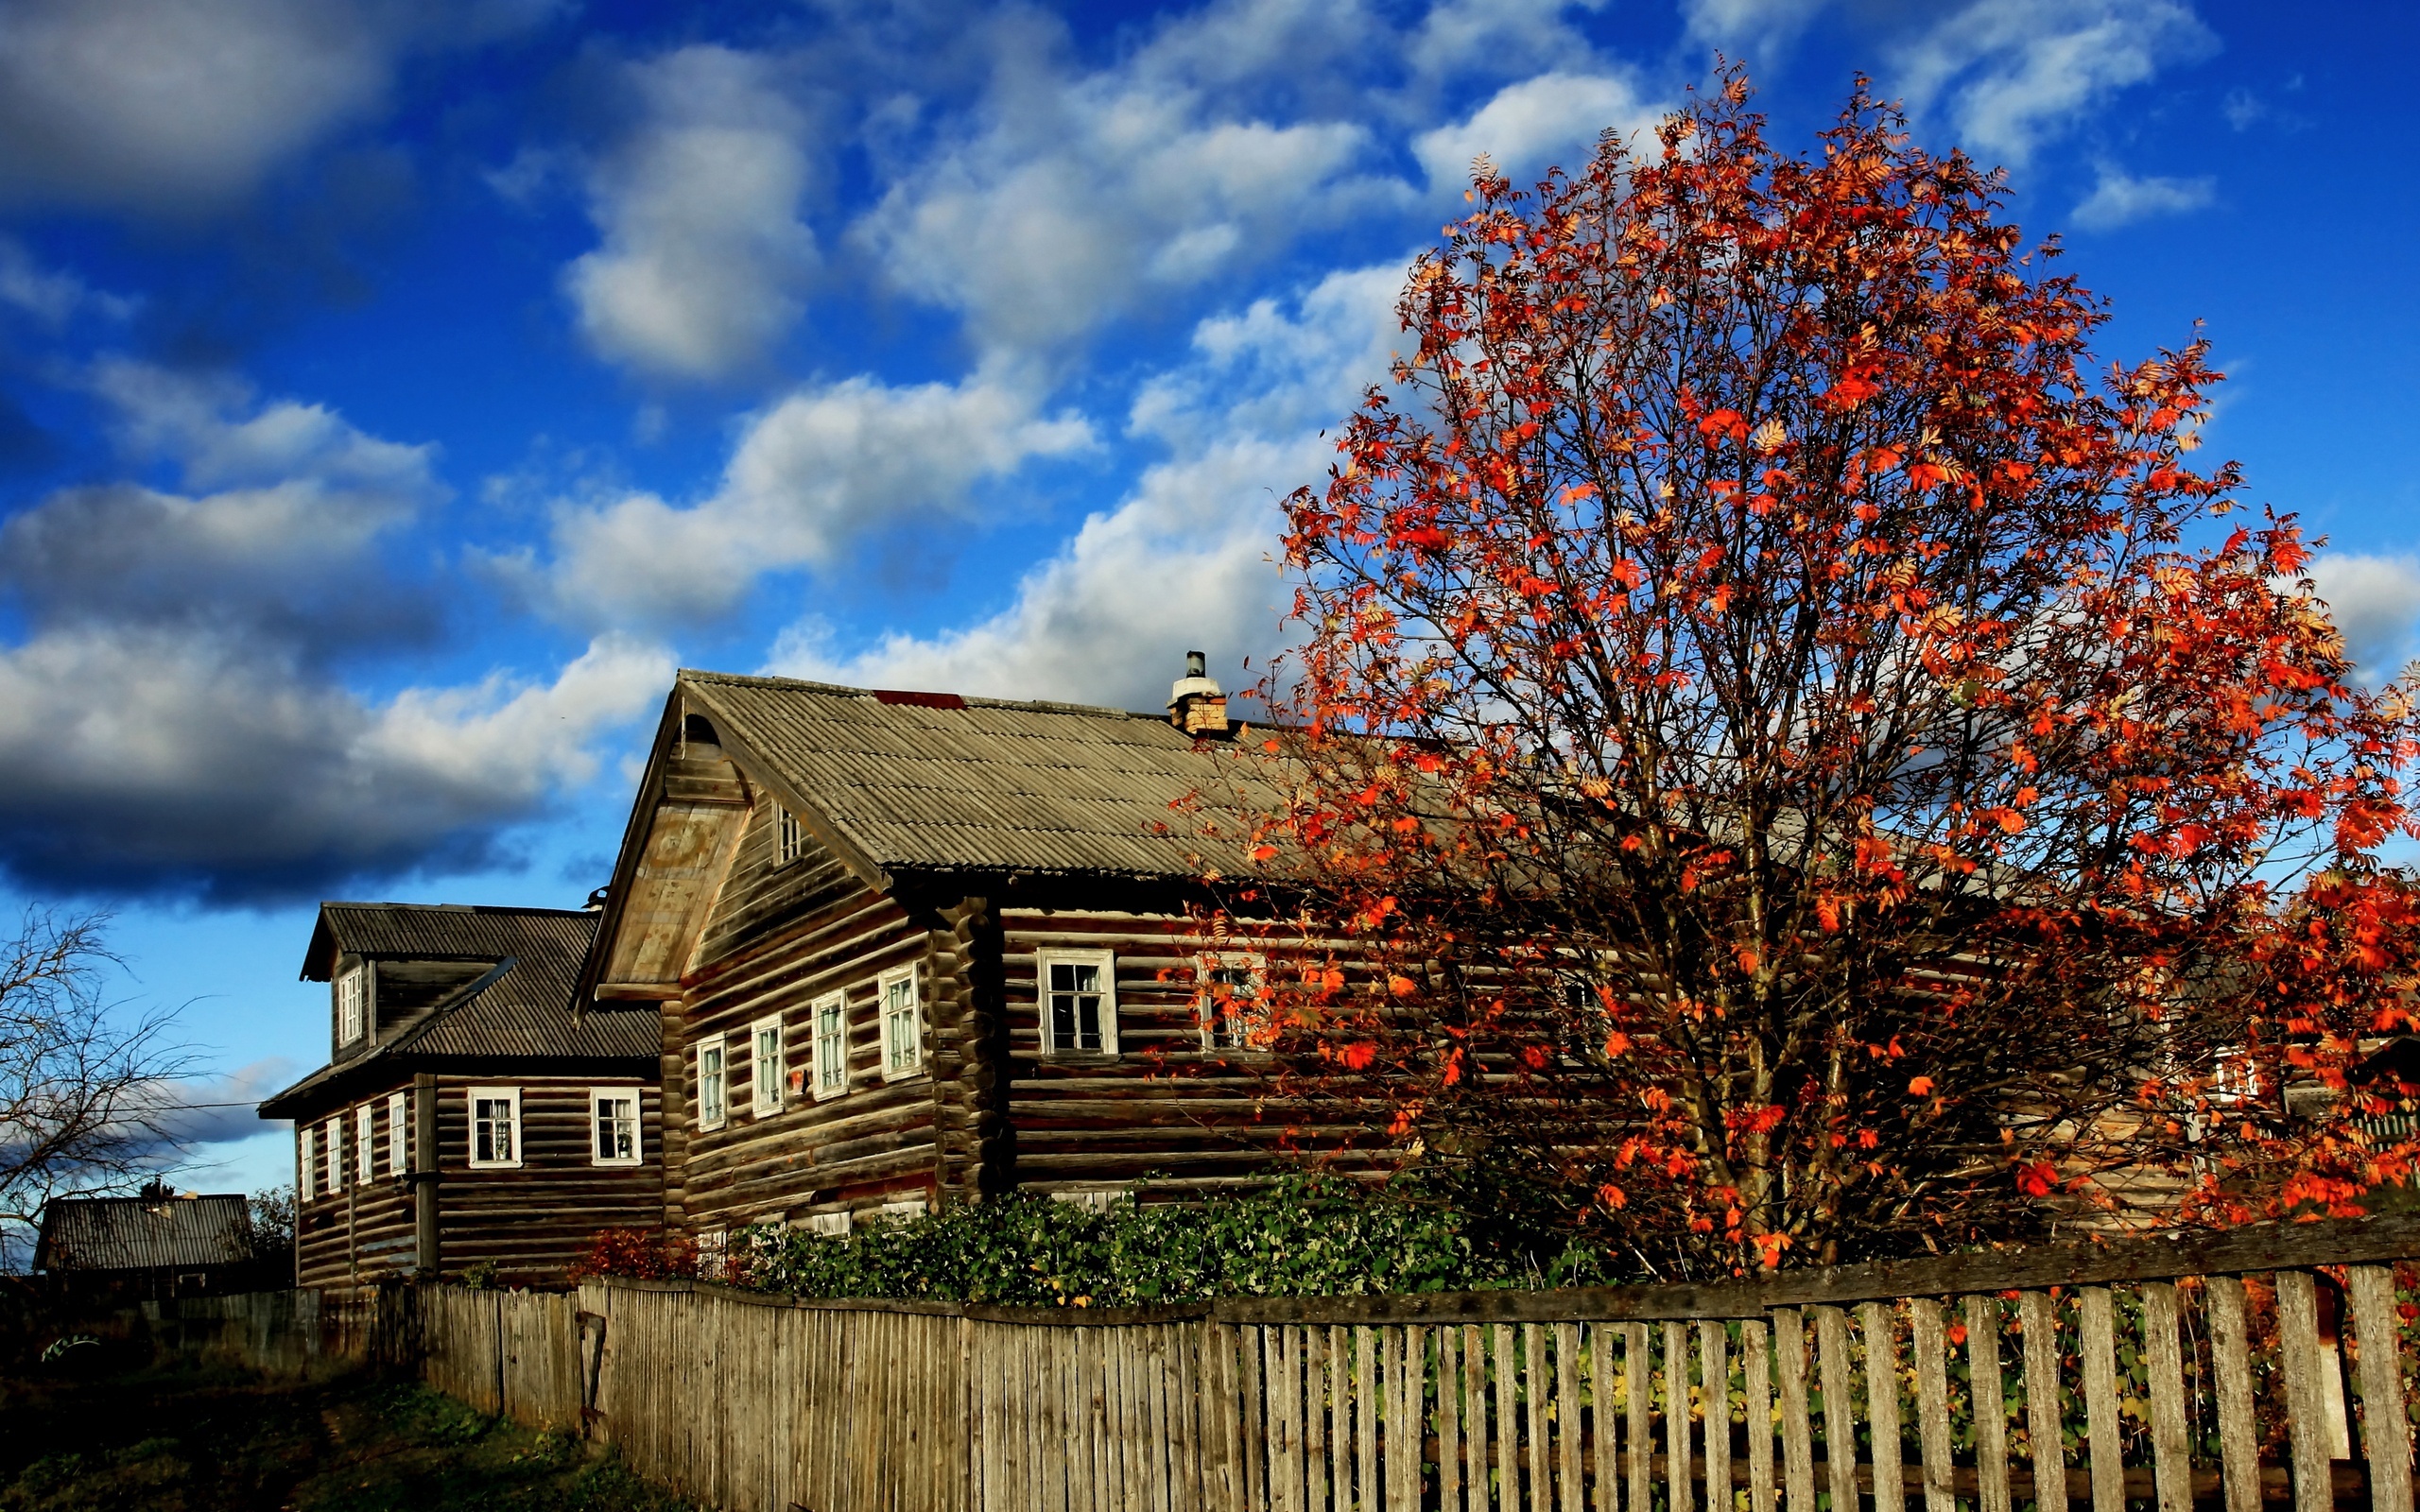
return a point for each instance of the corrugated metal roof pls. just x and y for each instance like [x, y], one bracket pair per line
[441, 932]
[519, 1013]
[144, 1233]
[992, 784]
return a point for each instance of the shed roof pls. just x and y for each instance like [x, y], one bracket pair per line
[519, 1011]
[926, 782]
[144, 1233]
[441, 932]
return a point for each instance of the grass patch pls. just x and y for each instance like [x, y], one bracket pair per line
[211, 1441]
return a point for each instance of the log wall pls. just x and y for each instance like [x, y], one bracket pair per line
[530, 1222]
[778, 936]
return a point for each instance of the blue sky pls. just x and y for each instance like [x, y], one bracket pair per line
[392, 394]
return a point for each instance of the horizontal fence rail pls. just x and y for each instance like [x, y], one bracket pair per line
[2255, 1371]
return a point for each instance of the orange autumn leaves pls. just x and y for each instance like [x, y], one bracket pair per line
[1796, 762]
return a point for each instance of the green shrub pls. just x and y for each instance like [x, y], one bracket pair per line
[1305, 1236]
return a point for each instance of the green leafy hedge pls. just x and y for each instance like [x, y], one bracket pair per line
[1306, 1236]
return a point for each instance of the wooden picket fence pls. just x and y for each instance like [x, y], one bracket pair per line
[2231, 1372]
[2217, 1370]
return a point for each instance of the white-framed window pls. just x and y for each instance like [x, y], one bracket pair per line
[830, 1225]
[789, 836]
[352, 993]
[307, 1160]
[1094, 1200]
[765, 1066]
[903, 1210]
[1079, 1002]
[365, 1143]
[1232, 991]
[495, 1127]
[614, 1112]
[335, 1137]
[830, 1045]
[399, 1133]
[713, 1082]
[903, 1025]
[714, 1251]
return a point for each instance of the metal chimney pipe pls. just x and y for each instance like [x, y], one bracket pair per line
[1195, 665]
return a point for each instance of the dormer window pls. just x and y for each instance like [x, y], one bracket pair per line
[791, 844]
[351, 995]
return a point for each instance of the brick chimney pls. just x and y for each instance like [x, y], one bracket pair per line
[1196, 704]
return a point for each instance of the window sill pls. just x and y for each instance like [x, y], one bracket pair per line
[910, 1074]
[615, 1165]
[1079, 1057]
[495, 1165]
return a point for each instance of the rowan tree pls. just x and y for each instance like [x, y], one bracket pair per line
[1800, 764]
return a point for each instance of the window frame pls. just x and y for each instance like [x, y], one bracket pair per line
[720, 1081]
[789, 836]
[307, 1160]
[334, 1135]
[399, 1149]
[597, 1098]
[1107, 960]
[353, 1004]
[766, 1094]
[1255, 967]
[836, 1084]
[913, 1015]
[365, 1144]
[492, 1094]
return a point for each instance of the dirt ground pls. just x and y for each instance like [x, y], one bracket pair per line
[189, 1440]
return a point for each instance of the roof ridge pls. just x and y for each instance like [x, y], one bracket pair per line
[457, 908]
[971, 701]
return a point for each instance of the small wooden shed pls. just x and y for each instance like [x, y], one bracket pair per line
[160, 1243]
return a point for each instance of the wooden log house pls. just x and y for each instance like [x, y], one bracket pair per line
[916, 949]
[467, 1116]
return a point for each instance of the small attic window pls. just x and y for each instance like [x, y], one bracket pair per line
[351, 994]
[696, 730]
[792, 842]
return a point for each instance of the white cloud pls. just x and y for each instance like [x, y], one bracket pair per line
[818, 469]
[1185, 561]
[1499, 37]
[286, 499]
[171, 105]
[1756, 28]
[1073, 199]
[2120, 198]
[138, 759]
[2375, 603]
[1182, 564]
[170, 720]
[2012, 74]
[1551, 120]
[50, 295]
[704, 253]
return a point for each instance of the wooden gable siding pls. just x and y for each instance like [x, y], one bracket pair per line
[1166, 1104]
[532, 1221]
[682, 862]
[776, 938]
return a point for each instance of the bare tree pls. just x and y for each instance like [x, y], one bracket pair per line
[87, 1089]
